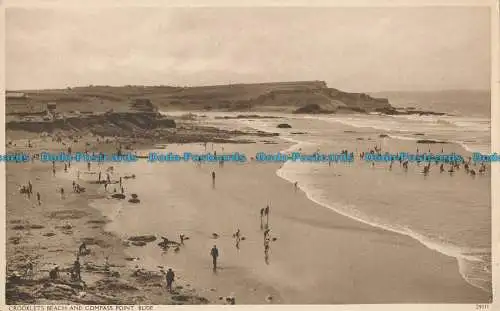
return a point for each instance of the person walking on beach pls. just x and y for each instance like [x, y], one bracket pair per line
[53, 171]
[74, 186]
[296, 185]
[62, 193]
[266, 213]
[170, 279]
[78, 174]
[181, 236]
[213, 179]
[38, 198]
[121, 183]
[30, 187]
[88, 166]
[99, 178]
[65, 167]
[214, 252]
[105, 186]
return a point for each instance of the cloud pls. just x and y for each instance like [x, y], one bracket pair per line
[365, 49]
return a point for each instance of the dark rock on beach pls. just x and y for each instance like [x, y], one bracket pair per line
[430, 141]
[284, 126]
[142, 238]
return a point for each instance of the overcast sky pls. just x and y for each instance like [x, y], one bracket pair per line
[353, 49]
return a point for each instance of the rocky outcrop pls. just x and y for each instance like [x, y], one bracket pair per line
[143, 104]
[284, 126]
[407, 111]
[106, 124]
[312, 109]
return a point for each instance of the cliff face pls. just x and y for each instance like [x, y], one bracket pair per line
[297, 97]
[324, 100]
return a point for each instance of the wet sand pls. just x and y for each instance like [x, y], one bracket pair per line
[319, 257]
[49, 234]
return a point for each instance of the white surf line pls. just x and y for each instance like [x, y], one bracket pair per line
[448, 250]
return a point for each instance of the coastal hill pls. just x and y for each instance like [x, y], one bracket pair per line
[299, 97]
[135, 110]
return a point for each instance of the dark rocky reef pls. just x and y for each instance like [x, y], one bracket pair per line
[106, 124]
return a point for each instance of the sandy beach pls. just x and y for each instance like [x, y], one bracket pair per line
[319, 256]
[275, 91]
[49, 234]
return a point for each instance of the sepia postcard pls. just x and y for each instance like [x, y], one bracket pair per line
[276, 154]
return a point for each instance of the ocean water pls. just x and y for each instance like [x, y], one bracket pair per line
[429, 209]
[448, 214]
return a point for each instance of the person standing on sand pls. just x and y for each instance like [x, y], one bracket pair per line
[266, 233]
[78, 174]
[121, 182]
[38, 198]
[266, 212]
[65, 167]
[54, 273]
[53, 171]
[105, 186]
[214, 252]
[170, 279]
[106, 263]
[237, 236]
[213, 179]
[296, 185]
[99, 178]
[88, 166]
[82, 249]
[62, 193]
[76, 269]
[261, 216]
